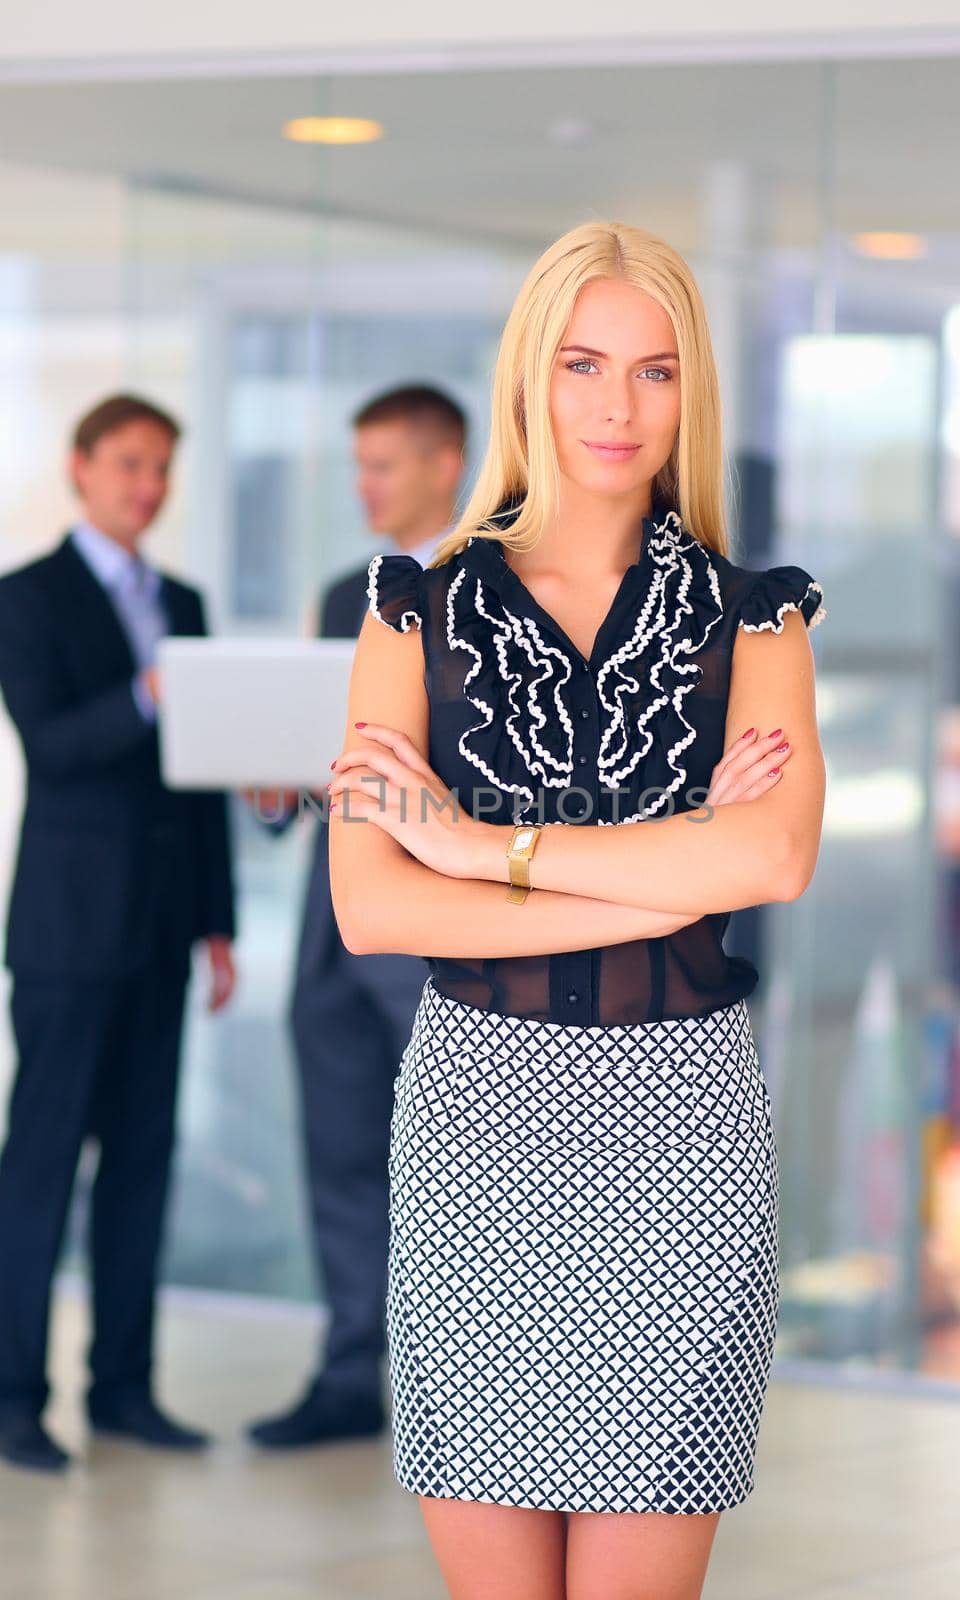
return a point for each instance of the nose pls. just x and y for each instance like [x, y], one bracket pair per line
[618, 398]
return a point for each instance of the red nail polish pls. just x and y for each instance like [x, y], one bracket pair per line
[773, 733]
[748, 733]
[333, 763]
[782, 747]
[363, 725]
[774, 771]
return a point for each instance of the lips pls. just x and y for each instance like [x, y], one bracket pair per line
[612, 452]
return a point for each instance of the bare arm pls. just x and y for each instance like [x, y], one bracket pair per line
[430, 914]
[386, 900]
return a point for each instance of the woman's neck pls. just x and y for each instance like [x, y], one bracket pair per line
[591, 538]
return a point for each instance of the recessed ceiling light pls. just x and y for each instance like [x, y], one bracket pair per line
[570, 131]
[332, 130]
[890, 246]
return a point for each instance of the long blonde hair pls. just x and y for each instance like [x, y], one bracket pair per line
[520, 466]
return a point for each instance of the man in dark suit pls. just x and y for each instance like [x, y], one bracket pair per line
[350, 1015]
[116, 876]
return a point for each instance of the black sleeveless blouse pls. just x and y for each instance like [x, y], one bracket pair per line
[525, 729]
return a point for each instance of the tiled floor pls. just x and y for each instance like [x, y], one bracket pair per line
[857, 1498]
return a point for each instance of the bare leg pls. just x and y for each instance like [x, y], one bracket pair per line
[492, 1552]
[644, 1555]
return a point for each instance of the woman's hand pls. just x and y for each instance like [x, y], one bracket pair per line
[403, 796]
[750, 768]
[223, 973]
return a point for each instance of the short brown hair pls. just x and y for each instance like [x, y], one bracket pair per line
[423, 406]
[114, 413]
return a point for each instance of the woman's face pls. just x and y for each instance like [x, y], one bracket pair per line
[616, 381]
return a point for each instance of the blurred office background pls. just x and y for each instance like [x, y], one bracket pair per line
[161, 232]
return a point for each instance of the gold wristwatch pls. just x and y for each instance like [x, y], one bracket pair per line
[523, 842]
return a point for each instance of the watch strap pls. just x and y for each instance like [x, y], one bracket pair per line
[523, 842]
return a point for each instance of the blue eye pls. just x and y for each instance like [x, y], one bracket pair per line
[584, 361]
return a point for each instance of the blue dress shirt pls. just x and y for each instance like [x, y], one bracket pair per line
[134, 590]
[424, 552]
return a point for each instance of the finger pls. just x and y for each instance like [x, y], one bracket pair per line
[739, 746]
[383, 764]
[353, 807]
[759, 769]
[724, 785]
[747, 750]
[400, 743]
[373, 764]
[748, 764]
[736, 781]
[763, 786]
[402, 803]
[352, 797]
[372, 786]
[378, 759]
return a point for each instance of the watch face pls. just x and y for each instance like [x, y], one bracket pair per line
[523, 839]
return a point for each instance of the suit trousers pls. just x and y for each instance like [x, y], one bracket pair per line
[95, 1057]
[351, 1017]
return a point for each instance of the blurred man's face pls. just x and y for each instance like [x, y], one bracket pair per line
[403, 482]
[123, 482]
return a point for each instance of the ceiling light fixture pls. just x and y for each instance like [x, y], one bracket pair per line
[571, 131]
[890, 246]
[332, 130]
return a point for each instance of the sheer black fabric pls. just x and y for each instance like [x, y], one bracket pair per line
[524, 728]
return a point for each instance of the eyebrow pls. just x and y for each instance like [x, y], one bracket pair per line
[664, 355]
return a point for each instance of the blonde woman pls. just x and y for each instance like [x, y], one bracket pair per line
[583, 1292]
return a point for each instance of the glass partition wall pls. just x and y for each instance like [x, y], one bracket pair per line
[264, 293]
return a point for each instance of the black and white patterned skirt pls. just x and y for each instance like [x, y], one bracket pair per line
[583, 1287]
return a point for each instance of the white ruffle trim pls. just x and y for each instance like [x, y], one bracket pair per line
[373, 596]
[543, 660]
[776, 625]
[538, 663]
[671, 552]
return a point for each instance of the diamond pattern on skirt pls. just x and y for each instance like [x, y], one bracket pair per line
[582, 1292]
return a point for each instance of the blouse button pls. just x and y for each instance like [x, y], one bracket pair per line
[573, 997]
[581, 761]
[584, 714]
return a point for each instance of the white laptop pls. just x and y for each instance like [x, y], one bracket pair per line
[238, 713]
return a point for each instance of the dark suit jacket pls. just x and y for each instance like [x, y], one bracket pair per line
[113, 869]
[320, 959]
[342, 611]
[344, 606]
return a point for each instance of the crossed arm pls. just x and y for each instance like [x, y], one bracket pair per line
[594, 885]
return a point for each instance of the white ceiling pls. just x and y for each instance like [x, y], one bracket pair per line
[481, 154]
